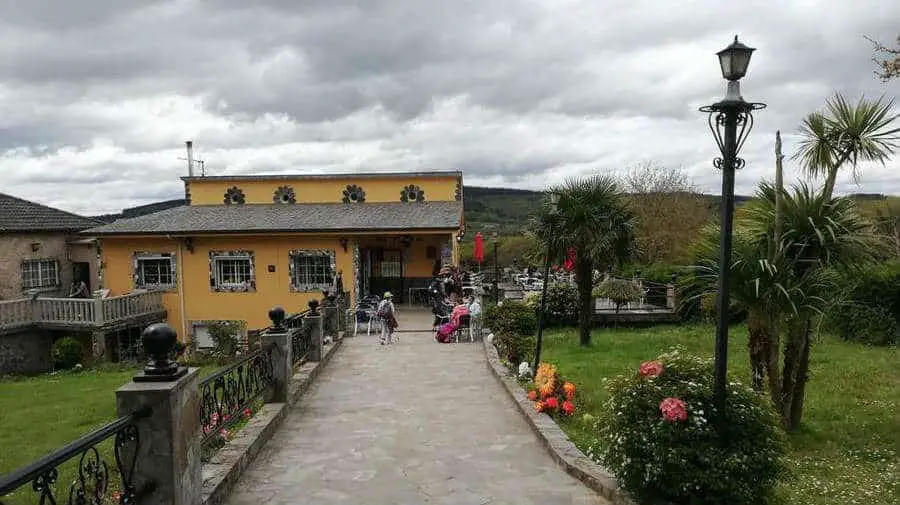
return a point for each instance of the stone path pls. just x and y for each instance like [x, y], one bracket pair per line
[414, 422]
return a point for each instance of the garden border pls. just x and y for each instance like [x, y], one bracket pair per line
[221, 473]
[561, 449]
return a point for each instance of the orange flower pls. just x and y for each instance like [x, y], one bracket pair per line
[547, 390]
[539, 406]
[569, 389]
[532, 395]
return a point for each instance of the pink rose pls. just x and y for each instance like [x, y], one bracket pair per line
[651, 369]
[673, 410]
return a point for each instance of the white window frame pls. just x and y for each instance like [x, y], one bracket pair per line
[42, 264]
[302, 281]
[139, 282]
[247, 284]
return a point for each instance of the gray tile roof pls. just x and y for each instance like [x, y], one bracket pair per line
[309, 217]
[18, 215]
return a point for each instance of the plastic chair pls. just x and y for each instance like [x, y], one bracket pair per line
[465, 324]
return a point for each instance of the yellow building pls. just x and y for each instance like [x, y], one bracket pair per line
[244, 244]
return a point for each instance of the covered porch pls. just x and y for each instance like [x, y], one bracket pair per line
[403, 264]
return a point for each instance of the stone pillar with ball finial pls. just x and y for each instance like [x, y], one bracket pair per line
[168, 458]
[317, 341]
[276, 342]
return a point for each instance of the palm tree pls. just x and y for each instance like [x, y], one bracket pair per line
[786, 286]
[847, 133]
[820, 234]
[593, 217]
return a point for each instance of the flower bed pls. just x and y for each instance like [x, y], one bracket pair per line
[659, 433]
[550, 394]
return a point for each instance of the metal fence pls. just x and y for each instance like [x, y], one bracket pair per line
[301, 336]
[226, 393]
[93, 475]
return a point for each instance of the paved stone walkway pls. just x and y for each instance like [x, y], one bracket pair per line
[414, 422]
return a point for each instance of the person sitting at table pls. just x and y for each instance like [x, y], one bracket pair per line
[445, 331]
[474, 306]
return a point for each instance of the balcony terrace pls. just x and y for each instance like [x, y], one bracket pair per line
[82, 314]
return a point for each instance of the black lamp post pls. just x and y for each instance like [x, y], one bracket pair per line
[725, 117]
[554, 204]
[495, 236]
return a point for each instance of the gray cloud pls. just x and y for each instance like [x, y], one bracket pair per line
[98, 95]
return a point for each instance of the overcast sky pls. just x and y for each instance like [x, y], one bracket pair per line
[98, 96]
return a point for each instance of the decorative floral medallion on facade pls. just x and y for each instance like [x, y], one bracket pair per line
[354, 194]
[234, 196]
[412, 193]
[284, 194]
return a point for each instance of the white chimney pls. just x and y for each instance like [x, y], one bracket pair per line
[190, 157]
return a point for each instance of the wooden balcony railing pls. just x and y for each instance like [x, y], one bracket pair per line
[78, 312]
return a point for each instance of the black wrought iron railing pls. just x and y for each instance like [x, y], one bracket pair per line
[655, 294]
[93, 475]
[301, 344]
[226, 394]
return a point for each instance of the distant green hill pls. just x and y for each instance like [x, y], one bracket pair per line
[509, 210]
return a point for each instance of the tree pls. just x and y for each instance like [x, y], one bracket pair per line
[785, 290]
[888, 58]
[595, 219]
[670, 212]
[619, 291]
[820, 234]
[847, 133]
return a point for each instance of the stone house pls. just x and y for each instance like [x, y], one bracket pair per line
[41, 252]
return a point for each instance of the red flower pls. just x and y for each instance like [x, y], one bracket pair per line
[226, 418]
[532, 395]
[568, 408]
[651, 369]
[248, 413]
[673, 410]
[552, 403]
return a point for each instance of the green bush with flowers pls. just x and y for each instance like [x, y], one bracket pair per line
[659, 435]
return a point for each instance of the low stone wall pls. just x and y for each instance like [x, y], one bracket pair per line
[222, 472]
[25, 352]
[553, 438]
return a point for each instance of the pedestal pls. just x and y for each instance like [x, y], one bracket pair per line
[169, 449]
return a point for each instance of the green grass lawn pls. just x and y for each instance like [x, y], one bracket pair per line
[39, 415]
[848, 447]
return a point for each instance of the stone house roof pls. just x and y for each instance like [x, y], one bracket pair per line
[302, 217]
[18, 215]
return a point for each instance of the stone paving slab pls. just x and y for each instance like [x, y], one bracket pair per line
[414, 422]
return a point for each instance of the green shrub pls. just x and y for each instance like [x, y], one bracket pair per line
[879, 285]
[562, 304]
[871, 325]
[514, 347]
[225, 335]
[620, 291]
[662, 453]
[511, 317]
[514, 325]
[66, 352]
[657, 272]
